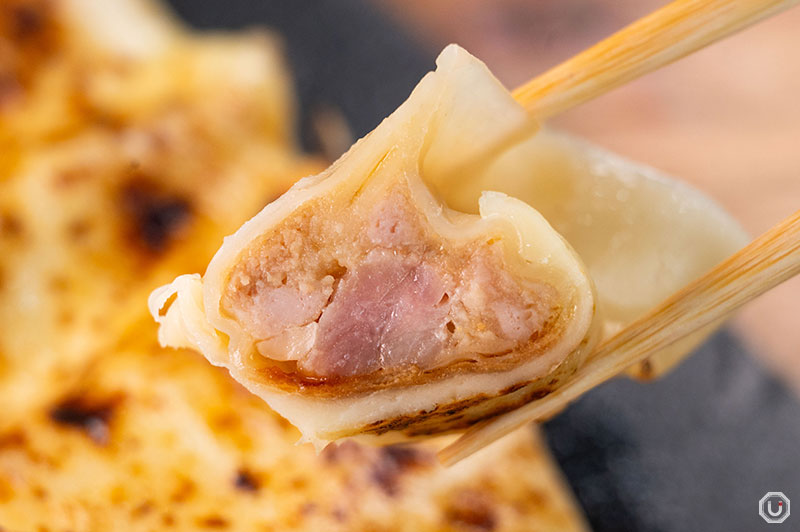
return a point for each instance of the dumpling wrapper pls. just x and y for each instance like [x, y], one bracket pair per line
[641, 235]
[360, 303]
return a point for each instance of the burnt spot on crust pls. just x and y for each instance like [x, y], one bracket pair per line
[394, 461]
[298, 482]
[13, 439]
[17, 440]
[155, 217]
[10, 225]
[27, 20]
[78, 230]
[246, 481]
[184, 490]
[385, 467]
[471, 510]
[39, 493]
[28, 24]
[30, 35]
[212, 521]
[142, 509]
[88, 415]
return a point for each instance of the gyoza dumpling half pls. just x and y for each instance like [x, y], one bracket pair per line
[360, 303]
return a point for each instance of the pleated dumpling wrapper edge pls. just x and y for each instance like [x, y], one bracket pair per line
[360, 303]
[642, 235]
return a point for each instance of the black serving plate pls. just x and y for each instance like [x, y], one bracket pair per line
[694, 451]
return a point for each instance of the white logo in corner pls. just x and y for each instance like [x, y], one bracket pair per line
[774, 507]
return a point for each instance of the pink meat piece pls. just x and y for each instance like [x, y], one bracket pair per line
[274, 309]
[387, 313]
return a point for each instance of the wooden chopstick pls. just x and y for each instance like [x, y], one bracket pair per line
[672, 32]
[766, 262]
[675, 30]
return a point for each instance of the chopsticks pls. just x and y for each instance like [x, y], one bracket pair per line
[766, 262]
[672, 32]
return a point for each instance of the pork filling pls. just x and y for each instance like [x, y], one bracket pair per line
[379, 292]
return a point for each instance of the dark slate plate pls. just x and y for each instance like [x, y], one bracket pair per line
[694, 451]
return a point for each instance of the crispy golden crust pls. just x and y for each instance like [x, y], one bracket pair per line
[62, 72]
[30, 35]
[153, 439]
[136, 188]
[88, 228]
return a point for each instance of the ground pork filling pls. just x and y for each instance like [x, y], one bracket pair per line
[377, 292]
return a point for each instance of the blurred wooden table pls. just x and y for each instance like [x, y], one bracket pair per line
[726, 119]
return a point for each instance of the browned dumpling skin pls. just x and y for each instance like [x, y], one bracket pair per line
[361, 303]
[394, 294]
